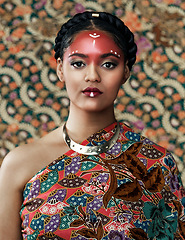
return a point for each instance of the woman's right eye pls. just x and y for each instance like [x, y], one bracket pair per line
[78, 64]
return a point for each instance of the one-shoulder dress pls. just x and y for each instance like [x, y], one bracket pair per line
[133, 191]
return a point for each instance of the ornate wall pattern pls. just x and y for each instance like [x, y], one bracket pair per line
[33, 101]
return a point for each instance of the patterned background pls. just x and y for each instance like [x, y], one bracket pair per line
[33, 101]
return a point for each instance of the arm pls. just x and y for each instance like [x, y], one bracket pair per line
[11, 198]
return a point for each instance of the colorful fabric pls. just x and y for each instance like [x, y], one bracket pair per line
[131, 192]
[32, 99]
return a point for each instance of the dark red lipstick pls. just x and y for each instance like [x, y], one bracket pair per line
[92, 92]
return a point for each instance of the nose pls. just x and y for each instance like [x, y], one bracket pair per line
[92, 74]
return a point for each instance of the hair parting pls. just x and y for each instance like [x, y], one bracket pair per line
[107, 22]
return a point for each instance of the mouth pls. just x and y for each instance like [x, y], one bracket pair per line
[92, 92]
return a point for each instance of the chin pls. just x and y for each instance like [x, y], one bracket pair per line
[91, 110]
[93, 106]
[97, 109]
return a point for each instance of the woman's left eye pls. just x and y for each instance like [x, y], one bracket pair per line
[109, 65]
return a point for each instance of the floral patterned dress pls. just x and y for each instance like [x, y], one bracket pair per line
[131, 192]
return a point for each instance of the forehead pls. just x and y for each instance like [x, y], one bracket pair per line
[94, 41]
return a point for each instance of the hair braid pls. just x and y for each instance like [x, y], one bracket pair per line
[71, 23]
[131, 47]
[104, 21]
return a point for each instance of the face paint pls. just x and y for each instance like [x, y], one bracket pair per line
[93, 44]
[93, 70]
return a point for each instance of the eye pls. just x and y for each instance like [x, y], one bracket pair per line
[78, 64]
[109, 65]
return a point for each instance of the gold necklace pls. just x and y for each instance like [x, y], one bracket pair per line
[90, 150]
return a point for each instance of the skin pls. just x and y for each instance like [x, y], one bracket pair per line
[93, 65]
[89, 112]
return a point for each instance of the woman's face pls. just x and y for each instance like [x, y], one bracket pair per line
[93, 70]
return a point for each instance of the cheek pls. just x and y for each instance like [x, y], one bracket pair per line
[115, 80]
[71, 82]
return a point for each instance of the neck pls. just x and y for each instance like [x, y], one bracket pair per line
[82, 124]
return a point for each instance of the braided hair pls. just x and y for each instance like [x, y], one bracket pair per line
[107, 22]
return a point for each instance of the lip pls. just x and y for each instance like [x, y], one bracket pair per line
[92, 92]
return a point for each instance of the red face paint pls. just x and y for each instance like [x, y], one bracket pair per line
[93, 44]
[93, 70]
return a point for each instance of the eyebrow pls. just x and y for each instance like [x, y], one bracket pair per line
[79, 55]
[110, 54]
[102, 56]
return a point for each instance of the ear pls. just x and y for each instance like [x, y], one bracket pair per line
[60, 69]
[126, 73]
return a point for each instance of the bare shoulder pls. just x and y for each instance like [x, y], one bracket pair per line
[18, 167]
[17, 163]
[25, 161]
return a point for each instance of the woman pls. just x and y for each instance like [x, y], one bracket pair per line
[114, 184]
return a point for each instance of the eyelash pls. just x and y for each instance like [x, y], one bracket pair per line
[82, 64]
[74, 64]
[110, 63]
